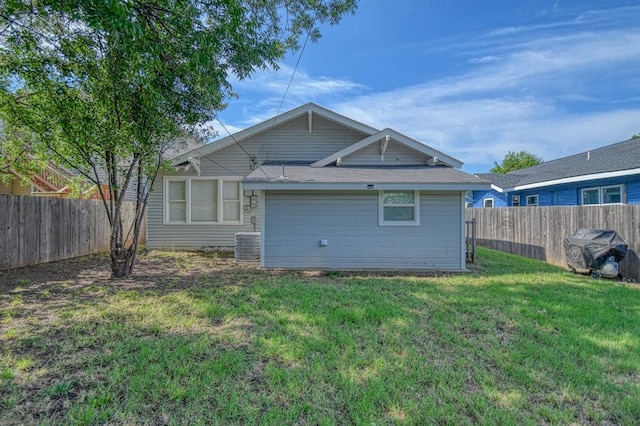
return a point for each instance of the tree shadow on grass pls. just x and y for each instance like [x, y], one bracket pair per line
[193, 337]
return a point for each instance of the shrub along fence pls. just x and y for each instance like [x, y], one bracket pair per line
[43, 229]
[537, 232]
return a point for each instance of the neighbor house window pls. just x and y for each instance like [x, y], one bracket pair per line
[612, 194]
[487, 202]
[399, 208]
[602, 195]
[532, 200]
[198, 200]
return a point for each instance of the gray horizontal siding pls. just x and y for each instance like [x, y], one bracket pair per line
[290, 141]
[396, 154]
[191, 236]
[295, 222]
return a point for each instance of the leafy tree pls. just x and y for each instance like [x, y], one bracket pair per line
[108, 86]
[515, 161]
[17, 157]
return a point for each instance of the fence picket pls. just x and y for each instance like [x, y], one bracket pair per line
[44, 229]
[537, 232]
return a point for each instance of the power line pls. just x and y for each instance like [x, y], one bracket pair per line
[251, 157]
[285, 94]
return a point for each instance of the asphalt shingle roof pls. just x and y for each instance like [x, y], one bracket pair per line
[363, 174]
[503, 180]
[611, 158]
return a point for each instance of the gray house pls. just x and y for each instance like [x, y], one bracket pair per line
[322, 191]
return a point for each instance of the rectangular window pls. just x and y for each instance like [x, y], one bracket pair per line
[176, 202]
[602, 195]
[197, 200]
[532, 200]
[204, 201]
[591, 196]
[487, 202]
[231, 201]
[399, 208]
[612, 194]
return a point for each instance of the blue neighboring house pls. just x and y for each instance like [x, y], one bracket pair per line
[607, 175]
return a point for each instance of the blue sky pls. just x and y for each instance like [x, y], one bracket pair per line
[472, 79]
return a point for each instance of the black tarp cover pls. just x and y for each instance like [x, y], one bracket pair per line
[590, 248]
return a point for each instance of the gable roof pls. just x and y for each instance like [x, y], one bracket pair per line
[396, 136]
[272, 122]
[502, 180]
[618, 159]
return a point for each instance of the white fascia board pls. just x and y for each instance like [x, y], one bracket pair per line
[574, 179]
[398, 137]
[272, 122]
[364, 186]
[497, 188]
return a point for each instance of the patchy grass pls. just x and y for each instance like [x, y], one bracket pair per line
[196, 339]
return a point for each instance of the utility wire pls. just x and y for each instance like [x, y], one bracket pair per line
[251, 157]
[285, 94]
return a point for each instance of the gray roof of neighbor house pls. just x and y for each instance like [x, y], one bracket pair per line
[356, 177]
[616, 157]
[503, 180]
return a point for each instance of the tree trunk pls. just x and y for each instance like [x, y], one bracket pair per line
[122, 260]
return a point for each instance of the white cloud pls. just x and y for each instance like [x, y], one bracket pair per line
[276, 82]
[552, 93]
[484, 60]
[524, 101]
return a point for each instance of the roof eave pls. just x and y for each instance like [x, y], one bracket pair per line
[575, 179]
[347, 186]
[399, 137]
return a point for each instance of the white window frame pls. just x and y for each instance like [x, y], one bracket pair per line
[600, 190]
[219, 202]
[530, 197]
[415, 205]
[484, 202]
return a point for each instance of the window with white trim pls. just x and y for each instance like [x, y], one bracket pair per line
[398, 208]
[602, 195]
[532, 200]
[487, 202]
[612, 194]
[203, 200]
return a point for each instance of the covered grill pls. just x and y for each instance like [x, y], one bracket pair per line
[596, 251]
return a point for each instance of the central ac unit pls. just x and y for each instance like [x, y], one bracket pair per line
[248, 247]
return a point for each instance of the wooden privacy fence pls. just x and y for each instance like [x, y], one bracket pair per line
[43, 229]
[537, 232]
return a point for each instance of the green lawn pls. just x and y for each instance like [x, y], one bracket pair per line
[195, 339]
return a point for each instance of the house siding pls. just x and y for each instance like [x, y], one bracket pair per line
[290, 141]
[569, 194]
[499, 199]
[296, 221]
[396, 154]
[5, 188]
[561, 195]
[633, 192]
